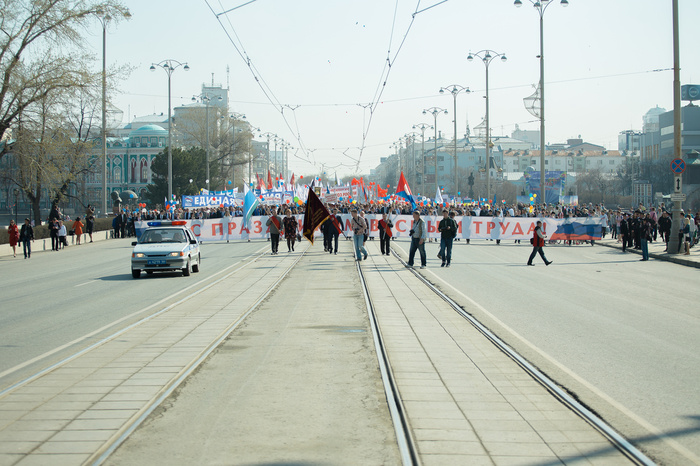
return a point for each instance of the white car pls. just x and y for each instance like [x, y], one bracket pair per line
[165, 246]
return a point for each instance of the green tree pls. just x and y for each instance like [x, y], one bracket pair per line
[42, 50]
[188, 164]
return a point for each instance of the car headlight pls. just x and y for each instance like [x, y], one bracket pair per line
[138, 254]
[175, 254]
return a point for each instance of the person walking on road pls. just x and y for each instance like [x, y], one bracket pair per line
[385, 234]
[275, 224]
[335, 234]
[290, 229]
[448, 230]
[419, 233]
[537, 244]
[26, 236]
[359, 228]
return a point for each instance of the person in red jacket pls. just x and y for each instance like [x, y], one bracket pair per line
[13, 232]
[537, 244]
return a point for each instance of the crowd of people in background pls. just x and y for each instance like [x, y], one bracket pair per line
[633, 228]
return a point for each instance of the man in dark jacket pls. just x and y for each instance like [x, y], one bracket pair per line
[665, 227]
[26, 236]
[448, 230]
[624, 231]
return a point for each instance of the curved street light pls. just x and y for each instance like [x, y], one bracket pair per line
[169, 66]
[541, 6]
[487, 57]
[435, 111]
[455, 89]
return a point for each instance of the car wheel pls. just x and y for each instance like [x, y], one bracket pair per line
[186, 270]
[195, 267]
[135, 273]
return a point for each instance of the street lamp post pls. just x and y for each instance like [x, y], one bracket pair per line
[16, 191]
[422, 127]
[486, 57]
[269, 136]
[541, 6]
[207, 100]
[455, 89]
[435, 111]
[233, 117]
[169, 66]
[103, 20]
[411, 137]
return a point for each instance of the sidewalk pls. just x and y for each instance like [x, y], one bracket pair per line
[657, 251]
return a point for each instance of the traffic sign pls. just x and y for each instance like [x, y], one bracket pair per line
[678, 197]
[677, 184]
[677, 166]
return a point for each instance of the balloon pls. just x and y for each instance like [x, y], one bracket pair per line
[229, 182]
[534, 195]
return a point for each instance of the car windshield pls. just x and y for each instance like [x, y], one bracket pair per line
[171, 235]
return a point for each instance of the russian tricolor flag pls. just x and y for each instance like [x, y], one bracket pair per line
[404, 191]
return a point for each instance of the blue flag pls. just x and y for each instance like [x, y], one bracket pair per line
[250, 202]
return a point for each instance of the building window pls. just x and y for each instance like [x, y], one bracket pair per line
[144, 171]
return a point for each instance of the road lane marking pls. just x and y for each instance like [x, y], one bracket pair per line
[105, 327]
[86, 283]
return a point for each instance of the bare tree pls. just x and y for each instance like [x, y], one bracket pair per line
[42, 50]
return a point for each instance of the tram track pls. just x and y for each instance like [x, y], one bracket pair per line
[108, 448]
[406, 442]
[189, 367]
[617, 440]
[212, 281]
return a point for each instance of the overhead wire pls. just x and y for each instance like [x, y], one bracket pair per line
[269, 94]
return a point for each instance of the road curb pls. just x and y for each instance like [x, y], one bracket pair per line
[663, 257]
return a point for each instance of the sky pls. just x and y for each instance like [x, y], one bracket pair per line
[343, 80]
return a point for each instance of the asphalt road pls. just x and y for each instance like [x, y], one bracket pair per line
[620, 334]
[56, 303]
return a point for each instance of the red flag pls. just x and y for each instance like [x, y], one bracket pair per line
[291, 182]
[316, 213]
[269, 180]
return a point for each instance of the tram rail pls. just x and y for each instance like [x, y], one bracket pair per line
[617, 440]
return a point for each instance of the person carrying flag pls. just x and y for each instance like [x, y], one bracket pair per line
[385, 234]
[335, 228]
[275, 224]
